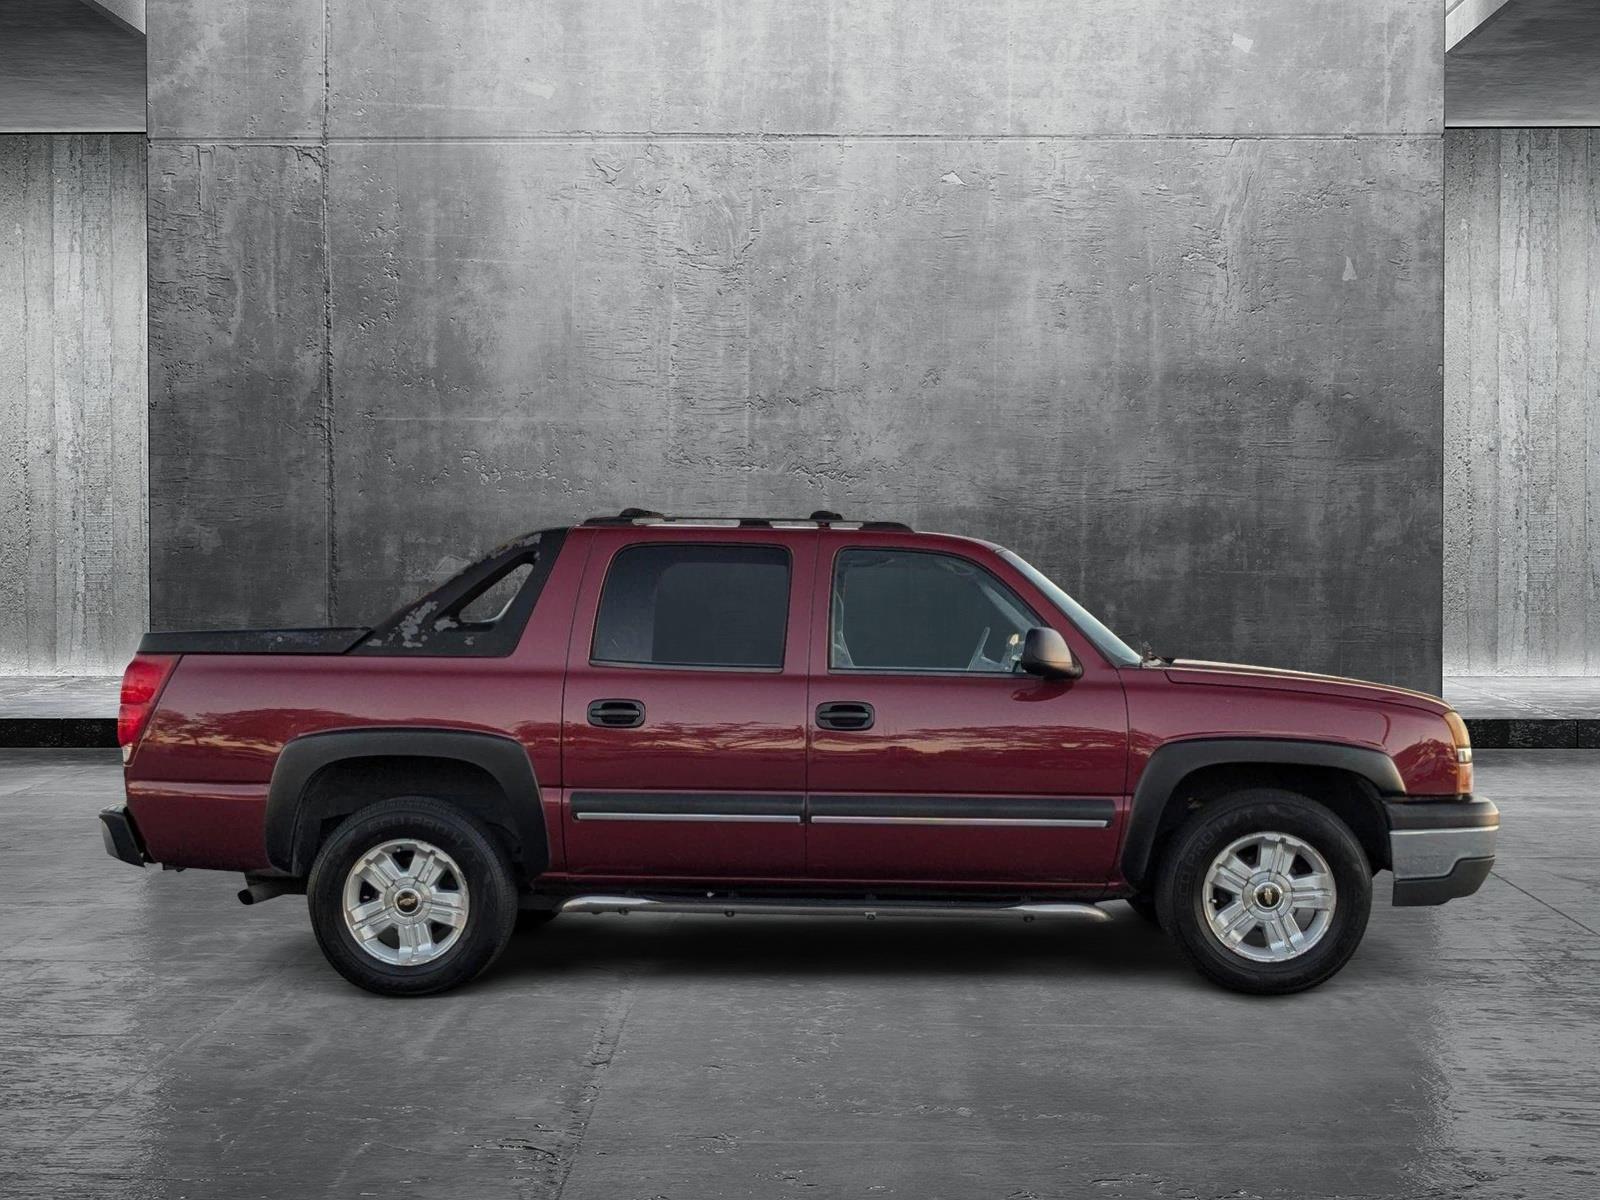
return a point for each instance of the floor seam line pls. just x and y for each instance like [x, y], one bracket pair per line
[602, 1052]
[1547, 904]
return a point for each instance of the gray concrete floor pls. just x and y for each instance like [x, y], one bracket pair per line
[158, 1039]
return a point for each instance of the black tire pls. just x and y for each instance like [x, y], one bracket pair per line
[484, 866]
[1145, 905]
[1182, 895]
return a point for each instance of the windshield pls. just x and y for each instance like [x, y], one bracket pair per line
[1108, 643]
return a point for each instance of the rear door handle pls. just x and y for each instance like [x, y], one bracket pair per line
[616, 714]
[846, 716]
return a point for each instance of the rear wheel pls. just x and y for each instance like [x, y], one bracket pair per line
[411, 896]
[1265, 891]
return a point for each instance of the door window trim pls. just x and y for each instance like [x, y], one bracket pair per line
[937, 672]
[788, 609]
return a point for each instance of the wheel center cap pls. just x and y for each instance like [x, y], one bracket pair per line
[407, 902]
[1269, 895]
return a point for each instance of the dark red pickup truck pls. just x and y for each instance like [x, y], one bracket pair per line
[782, 716]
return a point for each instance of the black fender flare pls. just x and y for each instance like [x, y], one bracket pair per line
[1172, 762]
[301, 760]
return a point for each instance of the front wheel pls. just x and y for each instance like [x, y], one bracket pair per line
[1265, 891]
[411, 896]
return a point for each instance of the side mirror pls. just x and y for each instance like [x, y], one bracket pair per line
[1045, 653]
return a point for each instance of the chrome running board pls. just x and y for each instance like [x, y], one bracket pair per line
[749, 907]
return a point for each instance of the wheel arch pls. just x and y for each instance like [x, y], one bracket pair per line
[1180, 775]
[322, 778]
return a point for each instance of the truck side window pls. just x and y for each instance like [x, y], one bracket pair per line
[694, 606]
[909, 610]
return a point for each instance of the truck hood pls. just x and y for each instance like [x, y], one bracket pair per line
[1215, 674]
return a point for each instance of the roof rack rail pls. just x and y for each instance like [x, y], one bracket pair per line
[627, 516]
[822, 517]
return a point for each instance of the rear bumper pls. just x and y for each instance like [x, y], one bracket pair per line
[1441, 849]
[121, 836]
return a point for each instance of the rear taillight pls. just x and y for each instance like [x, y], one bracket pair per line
[141, 684]
[1463, 745]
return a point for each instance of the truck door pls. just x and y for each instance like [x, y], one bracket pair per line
[684, 714]
[932, 758]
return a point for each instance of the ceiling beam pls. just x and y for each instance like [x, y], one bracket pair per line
[1465, 17]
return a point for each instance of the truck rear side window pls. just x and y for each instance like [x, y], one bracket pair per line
[694, 606]
[480, 611]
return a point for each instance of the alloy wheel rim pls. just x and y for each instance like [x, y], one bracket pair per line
[405, 902]
[1269, 897]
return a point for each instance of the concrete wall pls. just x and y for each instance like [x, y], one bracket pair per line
[1522, 395]
[1151, 292]
[73, 552]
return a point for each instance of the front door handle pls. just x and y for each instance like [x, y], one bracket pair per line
[846, 716]
[616, 714]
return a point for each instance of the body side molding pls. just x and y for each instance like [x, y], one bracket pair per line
[1087, 812]
[777, 807]
[1171, 762]
[503, 758]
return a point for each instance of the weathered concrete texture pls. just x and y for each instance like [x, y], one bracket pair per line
[162, 1040]
[244, 70]
[495, 67]
[1522, 354]
[1093, 351]
[417, 68]
[67, 68]
[238, 385]
[1532, 62]
[73, 534]
[989, 268]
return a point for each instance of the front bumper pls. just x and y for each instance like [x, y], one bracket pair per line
[121, 836]
[1441, 849]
